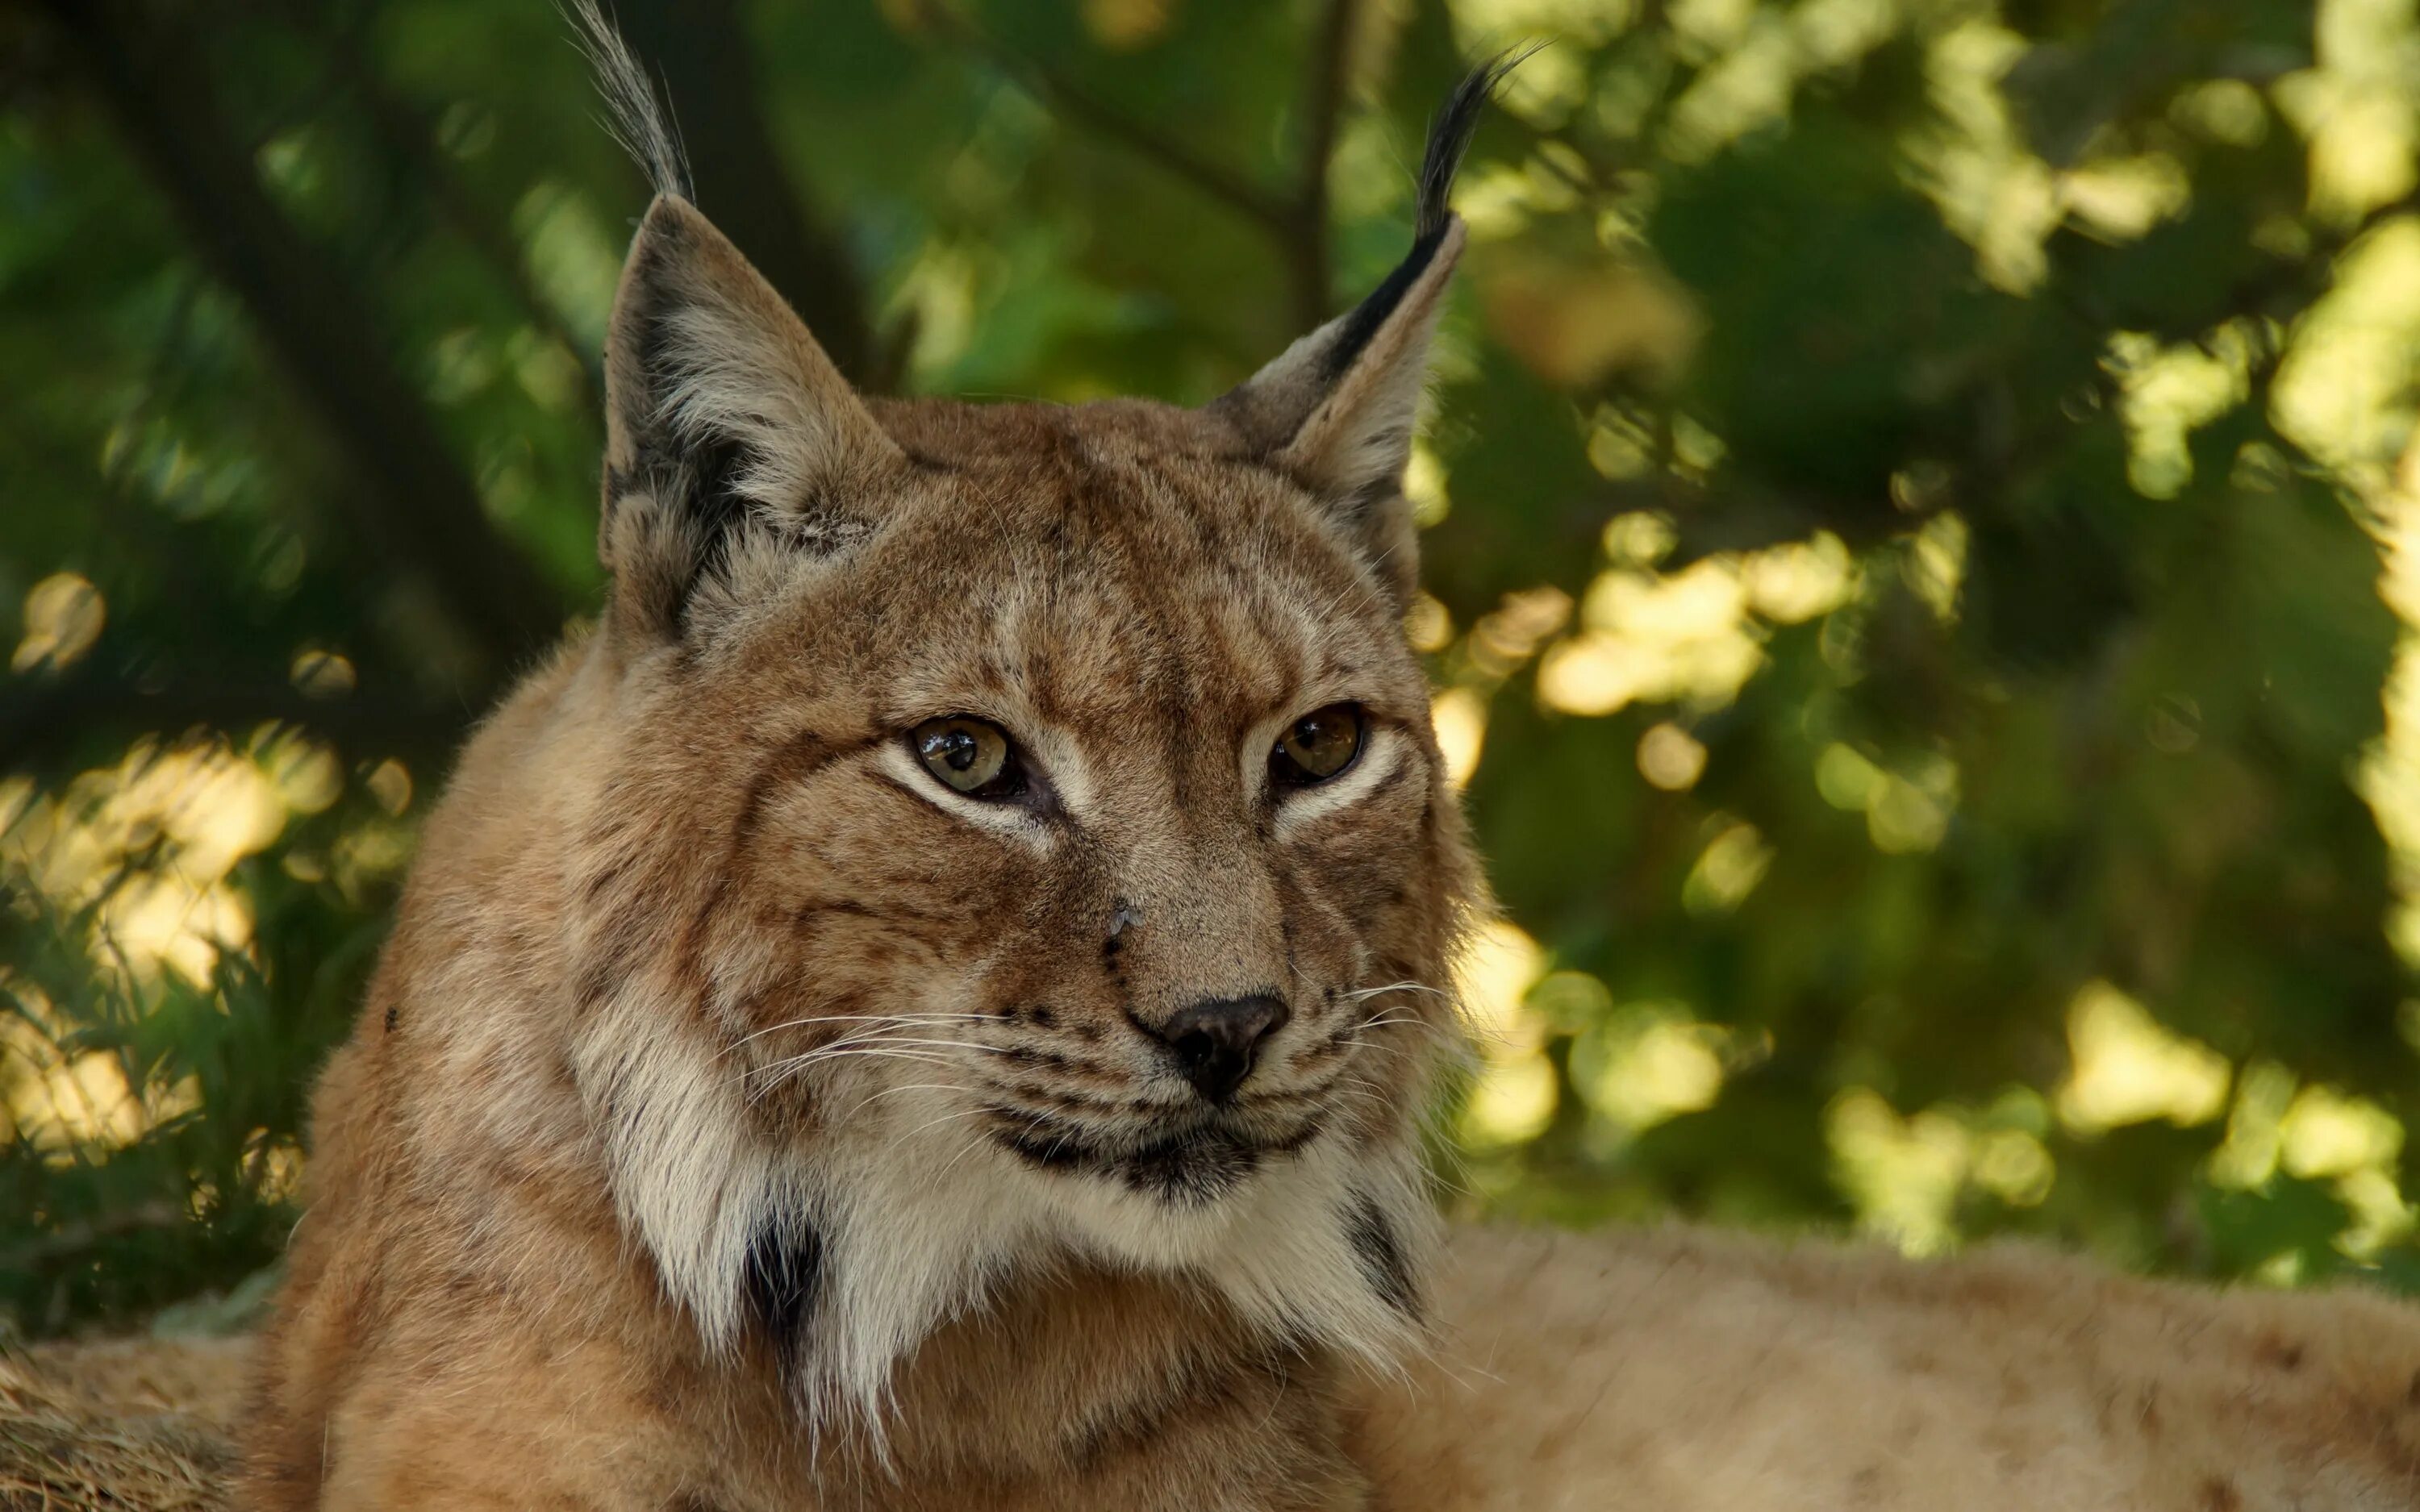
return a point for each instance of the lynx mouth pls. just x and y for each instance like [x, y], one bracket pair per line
[1190, 1167]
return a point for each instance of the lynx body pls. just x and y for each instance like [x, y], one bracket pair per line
[926, 1006]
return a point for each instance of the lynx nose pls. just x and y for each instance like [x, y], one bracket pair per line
[1216, 1041]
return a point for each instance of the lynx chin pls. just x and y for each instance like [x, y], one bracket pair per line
[927, 1005]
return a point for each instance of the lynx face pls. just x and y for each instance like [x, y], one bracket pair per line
[1050, 845]
[1013, 835]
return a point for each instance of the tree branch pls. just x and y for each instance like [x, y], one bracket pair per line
[706, 65]
[409, 495]
[1296, 218]
[1058, 93]
[1329, 75]
[406, 131]
[78, 1236]
[43, 720]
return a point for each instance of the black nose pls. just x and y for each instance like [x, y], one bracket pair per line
[1216, 1041]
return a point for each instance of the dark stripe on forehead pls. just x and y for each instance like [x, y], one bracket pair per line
[1234, 549]
[793, 761]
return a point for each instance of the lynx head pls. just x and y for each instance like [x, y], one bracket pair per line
[1019, 842]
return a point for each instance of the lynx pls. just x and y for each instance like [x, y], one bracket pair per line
[927, 1005]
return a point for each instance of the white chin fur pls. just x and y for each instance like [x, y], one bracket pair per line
[918, 1225]
[919, 1216]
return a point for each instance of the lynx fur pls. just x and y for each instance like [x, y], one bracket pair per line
[747, 1116]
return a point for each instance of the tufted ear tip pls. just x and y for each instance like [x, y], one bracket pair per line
[1339, 408]
[634, 113]
[721, 408]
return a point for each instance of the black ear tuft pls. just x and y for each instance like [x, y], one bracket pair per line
[1450, 134]
[1337, 408]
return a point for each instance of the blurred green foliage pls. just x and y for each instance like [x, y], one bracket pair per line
[1922, 561]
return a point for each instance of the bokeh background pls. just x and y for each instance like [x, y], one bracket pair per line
[1923, 557]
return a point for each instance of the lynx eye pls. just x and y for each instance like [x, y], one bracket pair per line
[969, 755]
[1317, 746]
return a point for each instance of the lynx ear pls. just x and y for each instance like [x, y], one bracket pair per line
[1337, 409]
[722, 412]
[723, 418]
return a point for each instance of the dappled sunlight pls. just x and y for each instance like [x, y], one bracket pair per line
[1998, 196]
[2344, 387]
[1648, 1062]
[1647, 637]
[64, 1100]
[1747, 86]
[2128, 1069]
[1460, 716]
[1798, 581]
[1728, 870]
[1513, 1096]
[1487, 24]
[1755, 60]
[1670, 758]
[142, 856]
[323, 673]
[64, 613]
[1907, 811]
[1935, 568]
[2355, 108]
[2247, 1158]
[1510, 1101]
[1504, 638]
[2122, 199]
[1990, 188]
[2170, 391]
[169, 921]
[2326, 1133]
[1906, 1174]
[2388, 777]
[1902, 1174]
[1692, 637]
[2318, 1134]
[1496, 969]
[1424, 485]
[2356, 1147]
[1428, 624]
[204, 807]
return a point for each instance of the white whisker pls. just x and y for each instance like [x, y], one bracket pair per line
[781, 1071]
[1397, 987]
[905, 1019]
[863, 1103]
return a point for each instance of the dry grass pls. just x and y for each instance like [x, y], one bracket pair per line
[132, 1426]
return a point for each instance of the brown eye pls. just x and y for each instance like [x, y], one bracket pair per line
[1317, 746]
[969, 755]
